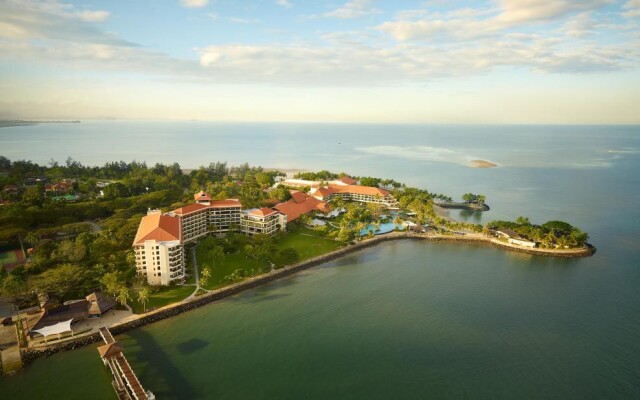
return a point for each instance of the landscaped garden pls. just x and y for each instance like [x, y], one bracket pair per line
[236, 256]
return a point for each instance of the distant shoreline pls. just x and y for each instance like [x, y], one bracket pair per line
[20, 122]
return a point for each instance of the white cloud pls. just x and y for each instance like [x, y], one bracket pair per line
[52, 33]
[517, 11]
[467, 23]
[194, 3]
[92, 16]
[579, 26]
[284, 3]
[633, 7]
[353, 9]
[359, 64]
[237, 20]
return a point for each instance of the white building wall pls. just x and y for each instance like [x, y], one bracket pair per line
[160, 262]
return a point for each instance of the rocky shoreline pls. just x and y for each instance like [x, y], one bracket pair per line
[30, 355]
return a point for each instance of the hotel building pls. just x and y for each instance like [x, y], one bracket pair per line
[158, 248]
[362, 194]
[264, 221]
[159, 242]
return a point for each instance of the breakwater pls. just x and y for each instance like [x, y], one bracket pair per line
[29, 355]
[464, 206]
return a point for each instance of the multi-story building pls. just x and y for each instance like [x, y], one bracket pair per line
[158, 249]
[363, 194]
[222, 215]
[160, 240]
[263, 221]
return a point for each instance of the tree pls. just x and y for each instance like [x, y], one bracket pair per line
[71, 251]
[205, 275]
[115, 191]
[397, 220]
[289, 255]
[523, 221]
[33, 239]
[111, 283]
[468, 197]
[14, 287]
[143, 297]
[216, 253]
[62, 281]
[33, 196]
[123, 296]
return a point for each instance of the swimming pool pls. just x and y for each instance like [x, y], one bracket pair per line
[383, 228]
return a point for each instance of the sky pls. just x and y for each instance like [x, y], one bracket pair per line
[438, 61]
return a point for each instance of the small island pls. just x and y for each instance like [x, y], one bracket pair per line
[482, 164]
[146, 242]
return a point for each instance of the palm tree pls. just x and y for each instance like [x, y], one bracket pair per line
[216, 254]
[205, 275]
[123, 296]
[32, 239]
[143, 297]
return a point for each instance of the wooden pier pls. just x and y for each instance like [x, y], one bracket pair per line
[125, 382]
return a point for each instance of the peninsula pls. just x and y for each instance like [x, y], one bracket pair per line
[148, 242]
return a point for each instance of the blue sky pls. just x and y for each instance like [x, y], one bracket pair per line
[500, 61]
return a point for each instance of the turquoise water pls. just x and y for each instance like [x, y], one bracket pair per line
[402, 320]
[381, 229]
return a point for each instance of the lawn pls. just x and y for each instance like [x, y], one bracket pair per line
[226, 266]
[307, 242]
[162, 297]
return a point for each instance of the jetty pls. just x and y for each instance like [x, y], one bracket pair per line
[125, 382]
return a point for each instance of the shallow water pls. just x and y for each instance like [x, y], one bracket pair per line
[409, 319]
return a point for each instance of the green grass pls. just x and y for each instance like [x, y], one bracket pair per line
[307, 242]
[226, 266]
[162, 297]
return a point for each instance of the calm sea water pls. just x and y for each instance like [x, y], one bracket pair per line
[403, 320]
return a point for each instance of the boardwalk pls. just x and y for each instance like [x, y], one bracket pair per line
[125, 381]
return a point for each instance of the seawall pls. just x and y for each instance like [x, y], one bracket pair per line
[29, 355]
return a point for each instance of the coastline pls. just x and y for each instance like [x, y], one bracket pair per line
[171, 310]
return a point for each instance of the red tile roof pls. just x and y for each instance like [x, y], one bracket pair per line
[347, 180]
[158, 227]
[201, 196]
[301, 204]
[262, 212]
[191, 208]
[325, 192]
[225, 203]
[298, 197]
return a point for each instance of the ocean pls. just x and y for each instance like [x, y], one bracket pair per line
[402, 320]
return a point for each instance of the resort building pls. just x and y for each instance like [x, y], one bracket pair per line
[208, 216]
[302, 183]
[159, 242]
[514, 238]
[301, 203]
[363, 194]
[158, 248]
[264, 221]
